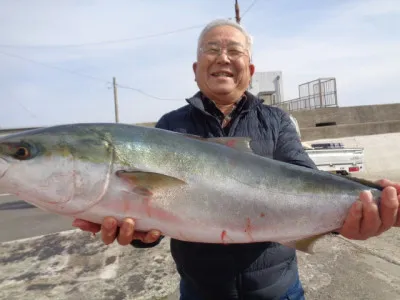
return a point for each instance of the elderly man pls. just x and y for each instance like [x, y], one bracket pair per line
[223, 107]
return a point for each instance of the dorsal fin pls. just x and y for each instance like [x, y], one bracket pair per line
[239, 143]
[365, 182]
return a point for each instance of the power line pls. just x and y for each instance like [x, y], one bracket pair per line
[250, 6]
[86, 76]
[146, 94]
[103, 42]
[118, 40]
[52, 67]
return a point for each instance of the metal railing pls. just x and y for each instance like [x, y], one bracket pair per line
[318, 93]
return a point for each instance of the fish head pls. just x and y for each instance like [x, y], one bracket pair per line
[58, 169]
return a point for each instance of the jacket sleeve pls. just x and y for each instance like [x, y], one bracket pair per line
[163, 124]
[288, 147]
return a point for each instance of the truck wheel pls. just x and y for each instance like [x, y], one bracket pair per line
[344, 173]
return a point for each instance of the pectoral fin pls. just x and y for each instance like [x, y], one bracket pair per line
[146, 183]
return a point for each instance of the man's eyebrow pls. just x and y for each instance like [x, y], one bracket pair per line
[235, 44]
[230, 43]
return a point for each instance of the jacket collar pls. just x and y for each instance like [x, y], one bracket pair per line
[251, 101]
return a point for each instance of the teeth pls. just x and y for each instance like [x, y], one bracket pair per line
[222, 74]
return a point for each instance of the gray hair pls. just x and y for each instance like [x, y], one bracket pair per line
[225, 22]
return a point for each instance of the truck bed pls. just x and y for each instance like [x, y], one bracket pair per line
[342, 161]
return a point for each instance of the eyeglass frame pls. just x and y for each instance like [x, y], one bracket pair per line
[219, 49]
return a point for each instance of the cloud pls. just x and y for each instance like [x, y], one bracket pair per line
[355, 41]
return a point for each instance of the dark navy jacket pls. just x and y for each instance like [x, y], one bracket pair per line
[248, 271]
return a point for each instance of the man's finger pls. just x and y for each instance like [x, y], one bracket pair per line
[152, 236]
[125, 235]
[388, 208]
[397, 223]
[385, 183]
[139, 235]
[86, 226]
[108, 230]
[147, 237]
[371, 221]
[351, 226]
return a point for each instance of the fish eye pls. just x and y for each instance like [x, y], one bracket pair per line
[22, 153]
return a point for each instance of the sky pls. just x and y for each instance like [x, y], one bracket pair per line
[58, 58]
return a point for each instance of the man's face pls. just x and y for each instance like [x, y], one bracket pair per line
[223, 69]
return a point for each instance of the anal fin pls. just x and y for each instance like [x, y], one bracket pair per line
[305, 245]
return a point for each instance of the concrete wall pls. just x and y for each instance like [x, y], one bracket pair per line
[351, 121]
[348, 115]
[312, 133]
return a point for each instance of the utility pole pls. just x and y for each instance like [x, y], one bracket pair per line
[237, 15]
[237, 12]
[115, 100]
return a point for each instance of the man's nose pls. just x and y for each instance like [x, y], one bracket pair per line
[223, 57]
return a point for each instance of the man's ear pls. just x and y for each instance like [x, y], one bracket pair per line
[252, 69]
[194, 69]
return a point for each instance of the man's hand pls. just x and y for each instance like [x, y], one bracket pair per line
[366, 220]
[109, 231]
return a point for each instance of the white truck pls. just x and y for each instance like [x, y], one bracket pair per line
[334, 157]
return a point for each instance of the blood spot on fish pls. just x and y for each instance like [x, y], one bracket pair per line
[127, 206]
[248, 229]
[231, 143]
[148, 207]
[223, 235]
[225, 238]
[141, 208]
[262, 215]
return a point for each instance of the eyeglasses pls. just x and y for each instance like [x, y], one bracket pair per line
[232, 52]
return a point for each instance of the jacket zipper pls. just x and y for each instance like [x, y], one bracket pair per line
[239, 286]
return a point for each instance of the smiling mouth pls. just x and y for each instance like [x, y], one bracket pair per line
[222, 74]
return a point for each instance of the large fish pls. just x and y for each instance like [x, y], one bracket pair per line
[194, 189]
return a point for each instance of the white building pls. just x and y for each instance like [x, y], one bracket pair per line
[268, 86]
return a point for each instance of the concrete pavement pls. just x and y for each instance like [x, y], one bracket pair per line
[19, 220]
[75, 265]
